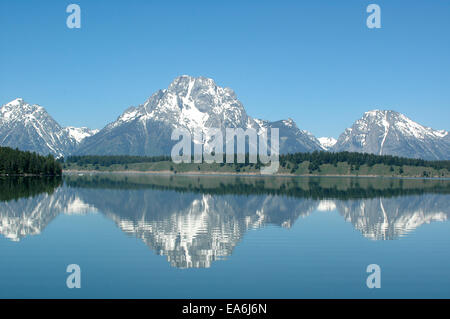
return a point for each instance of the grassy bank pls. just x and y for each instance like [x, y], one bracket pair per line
[289, 168]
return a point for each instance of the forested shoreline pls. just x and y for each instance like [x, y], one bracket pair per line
[16, 162]
[315, 163]
[316, 158]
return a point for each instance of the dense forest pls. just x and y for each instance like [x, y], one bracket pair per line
[15, 162]
[290, 161]
[108, 160]
[357, 159]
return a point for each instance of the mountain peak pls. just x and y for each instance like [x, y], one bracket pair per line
[16, 102]
[387, 132]
[18, 107]
[390, 118]
[186, 80]
[378, 113]
[289, 122]
[196, 102]
[21, 104]
[189, 86]
[30, 128]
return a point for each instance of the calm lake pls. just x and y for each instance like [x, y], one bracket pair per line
[153, 236]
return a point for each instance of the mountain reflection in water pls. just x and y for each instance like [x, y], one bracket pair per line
[197, 220]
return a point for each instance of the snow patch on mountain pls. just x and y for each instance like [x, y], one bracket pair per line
[327, 142]
[79, 133]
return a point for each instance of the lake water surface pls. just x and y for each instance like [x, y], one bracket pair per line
[149, 236]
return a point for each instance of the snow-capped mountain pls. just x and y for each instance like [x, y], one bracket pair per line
[29, 127]
[191, 103]
[327, 142]
[196, 103]
[392, 133]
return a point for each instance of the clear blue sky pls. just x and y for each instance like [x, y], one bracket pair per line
[313, 61]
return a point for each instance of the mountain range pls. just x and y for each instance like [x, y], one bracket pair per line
[198, 103]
